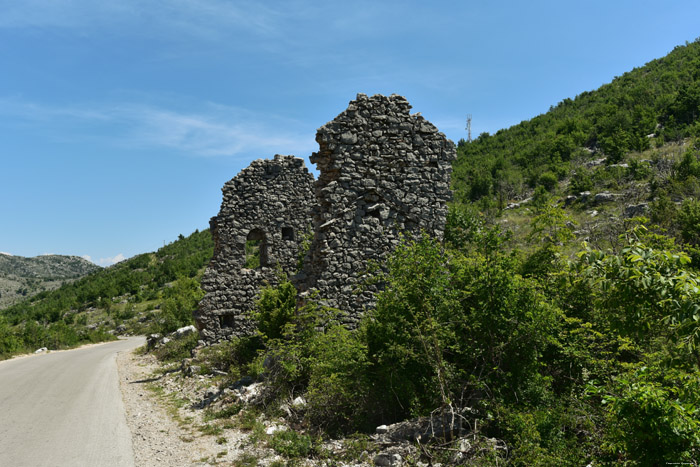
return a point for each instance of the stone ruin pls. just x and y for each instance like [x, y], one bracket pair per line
[267, 205]
[383, 173]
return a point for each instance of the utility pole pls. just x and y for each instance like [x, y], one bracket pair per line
[469, 128]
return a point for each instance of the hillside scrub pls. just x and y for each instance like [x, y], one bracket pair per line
[590, 359]
[644, 108]
[162, 288]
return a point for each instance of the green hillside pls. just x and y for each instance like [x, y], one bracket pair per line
[22, 277]
[151, 292]
[643, 109]
[558, 323]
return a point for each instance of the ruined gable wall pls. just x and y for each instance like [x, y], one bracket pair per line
[272, 199]
[382, 172]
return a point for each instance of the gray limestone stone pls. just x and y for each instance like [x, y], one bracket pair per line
[269, 201]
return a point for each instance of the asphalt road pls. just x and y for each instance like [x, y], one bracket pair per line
[65, 409]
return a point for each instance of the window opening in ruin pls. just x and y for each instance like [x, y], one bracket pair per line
[374, 213]
[287, 233]
[255, 250]
[226, 321]
[433, 164]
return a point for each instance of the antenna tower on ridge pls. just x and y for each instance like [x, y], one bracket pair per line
[469, 128]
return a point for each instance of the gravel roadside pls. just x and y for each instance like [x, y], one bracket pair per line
[162, 434]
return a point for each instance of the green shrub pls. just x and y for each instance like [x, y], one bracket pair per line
[291, 444]
[232, 356]
[275, 308]
[581, 181]
[689, 221]
[548, 180]
[338, 393]
[653, 423]
[177, 349]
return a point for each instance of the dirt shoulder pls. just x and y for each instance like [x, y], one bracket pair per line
[165, 430]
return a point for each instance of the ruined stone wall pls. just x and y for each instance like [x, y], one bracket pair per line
[382, 172]
[270, 201]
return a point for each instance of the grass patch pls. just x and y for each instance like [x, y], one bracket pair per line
[212, 430]
[291, 444]
[226, 412]
[246, 460]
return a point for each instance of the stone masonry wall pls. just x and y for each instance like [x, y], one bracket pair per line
[269, 201]
[382, 171]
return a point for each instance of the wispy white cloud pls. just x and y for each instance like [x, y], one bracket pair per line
[223, 131]
[5, 253]
[213, 130]
[207, 19]
[88, 258]
[300, 31]
[110, 261]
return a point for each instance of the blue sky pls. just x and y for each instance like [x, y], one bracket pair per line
[121, 120]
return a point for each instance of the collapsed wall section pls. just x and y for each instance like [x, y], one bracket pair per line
[266, 210]
[383, 172]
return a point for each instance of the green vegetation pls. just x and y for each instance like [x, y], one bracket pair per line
[565, 352]
[642, 109]
[152, 292]
[592, 359]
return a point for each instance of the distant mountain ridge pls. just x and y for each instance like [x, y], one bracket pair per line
[22, 277]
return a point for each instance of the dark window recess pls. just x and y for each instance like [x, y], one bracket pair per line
[227, 321]
[255, 250]
[287, 233]
[433, 164]
[374, 213]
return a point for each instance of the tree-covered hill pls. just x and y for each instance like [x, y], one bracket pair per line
[640, 110]
[22, 277]
[149, 292]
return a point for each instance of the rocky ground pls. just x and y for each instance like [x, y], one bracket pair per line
[180, 418]
[166, 430]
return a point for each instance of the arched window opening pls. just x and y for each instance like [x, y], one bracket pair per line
[287, 233]
[255, 249]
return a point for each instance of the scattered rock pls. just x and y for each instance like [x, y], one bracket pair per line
[274, 428]
[387, 459]
[596, 162]
[519, 203]
[604, 197]
[299, 402]
[152, 341]
[634, 210]
[41, 350]
[185, 331]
